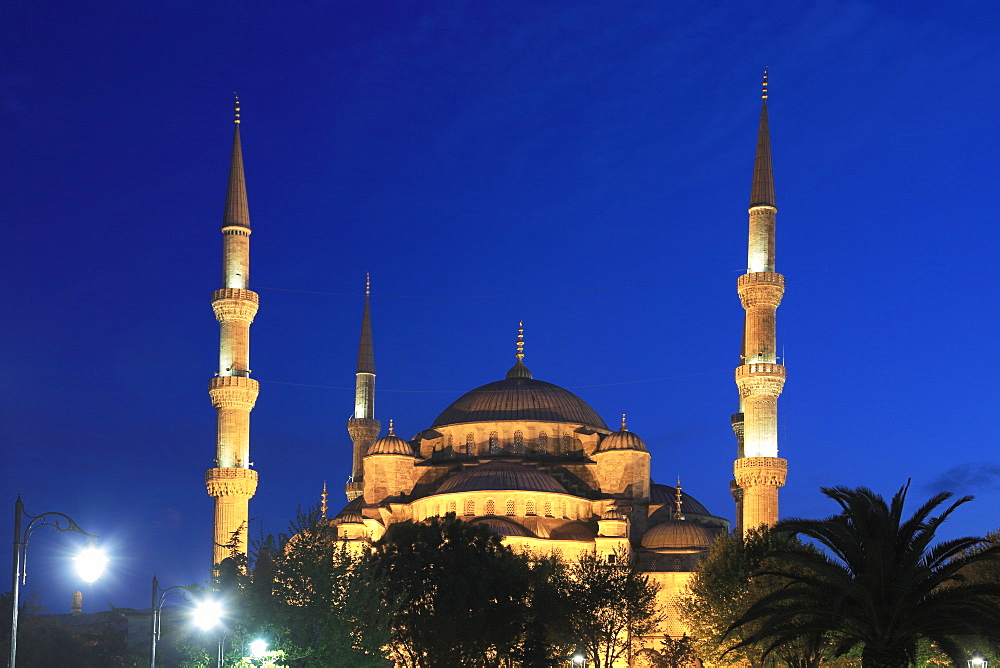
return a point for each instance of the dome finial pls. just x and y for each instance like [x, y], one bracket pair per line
[519, 370]
[624, 428]
[520, 340]
[322, 502]
[391, 432]
[236, 101]
[763, 94]
[678, 514]
[368, 284]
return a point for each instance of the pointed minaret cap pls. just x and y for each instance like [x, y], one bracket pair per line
[237, 212]
[322, 502]
[762, 190]
[366, 350]
[519, 370]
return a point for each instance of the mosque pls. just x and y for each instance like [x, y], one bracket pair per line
[527, 458]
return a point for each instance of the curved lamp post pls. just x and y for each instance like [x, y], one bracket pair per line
[160, 595]
[90, 562]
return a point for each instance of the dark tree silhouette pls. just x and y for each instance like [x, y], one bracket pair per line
[881, 585]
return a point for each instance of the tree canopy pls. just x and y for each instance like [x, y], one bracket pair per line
[880, 584]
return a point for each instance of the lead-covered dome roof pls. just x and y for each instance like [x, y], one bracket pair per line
[501, 476]
[677, 534]
[519, 397]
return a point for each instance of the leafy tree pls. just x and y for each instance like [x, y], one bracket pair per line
[881, 585]
[723, 589]
[614, 603]
[452, 594]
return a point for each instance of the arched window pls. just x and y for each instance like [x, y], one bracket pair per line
[529, 507]
[470, 507]
[510, 507]
[490, 507]
[451, 445]
[452, 507]
[494, 443]
[519, 442]
[548, 509]
[567, 443]
[470, 444]
[562, 507]
[543, 442]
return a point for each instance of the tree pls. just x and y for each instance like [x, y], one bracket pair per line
[452, 594]
[881, 585]
[723, 588]
[614, 603]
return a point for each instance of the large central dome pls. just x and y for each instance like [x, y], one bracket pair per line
[520, 397]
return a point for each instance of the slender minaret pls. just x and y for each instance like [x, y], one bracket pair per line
[363, 427]
[231, 483]
[759, 472]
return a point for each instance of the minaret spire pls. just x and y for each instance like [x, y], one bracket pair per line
[678, 501]
[759, 472]
[363, 427]
[519, 370]
[231, 482]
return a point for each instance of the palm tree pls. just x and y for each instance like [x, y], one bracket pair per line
[880, 584]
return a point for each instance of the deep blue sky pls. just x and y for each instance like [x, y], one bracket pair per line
[583, 166]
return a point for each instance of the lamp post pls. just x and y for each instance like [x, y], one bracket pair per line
[977, 660]
[159, 595]
[90, 562]
[579, 659]
[208, 614]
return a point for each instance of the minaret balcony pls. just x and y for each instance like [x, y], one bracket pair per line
[231, 482]
[236, 293]
[761, 289]
[758, 277]
[760, 379]
[233, 392]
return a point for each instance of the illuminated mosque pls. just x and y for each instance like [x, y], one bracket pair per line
[527, 458]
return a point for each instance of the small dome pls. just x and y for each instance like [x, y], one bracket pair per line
[349, 518]
[390, 445]
[623, 439]
[677, 534]
[503, 527]
[573, 531]
[613, 514]
[501, 476]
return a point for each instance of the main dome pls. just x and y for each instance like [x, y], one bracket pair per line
[519, 398]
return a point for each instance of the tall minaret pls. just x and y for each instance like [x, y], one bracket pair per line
[759, 472]
[231, 483]
[363, 427]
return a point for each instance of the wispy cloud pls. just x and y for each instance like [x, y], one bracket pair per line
[967, 478]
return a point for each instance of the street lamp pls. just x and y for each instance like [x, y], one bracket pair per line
[258, 648]
[207, 615]
[977, 660]
[90, 562]
[579, 659]
[159, 595]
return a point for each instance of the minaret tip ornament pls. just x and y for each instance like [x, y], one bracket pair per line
[391, 432]
[322, 503]
[624, 428]
[368, 284]
[236, 104]
[520, 340]
[678, 501]
[763, 94]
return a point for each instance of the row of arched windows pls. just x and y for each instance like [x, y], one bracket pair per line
[530, 508]
[542, 443]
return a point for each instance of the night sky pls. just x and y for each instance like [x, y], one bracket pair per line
[583, 166]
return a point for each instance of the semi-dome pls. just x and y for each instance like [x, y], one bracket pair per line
[677, 534]
[573, 531]
[519, 397]
[501, 476]
[664, 494]
[503, 527]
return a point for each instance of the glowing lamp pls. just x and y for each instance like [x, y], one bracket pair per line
[90, 563]
[207, 614]
[258, 647]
